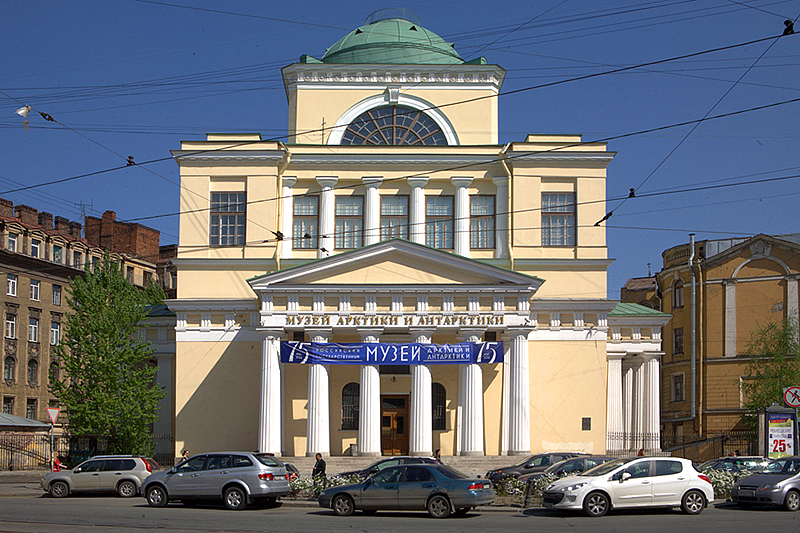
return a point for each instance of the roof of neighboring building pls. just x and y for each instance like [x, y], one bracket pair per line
[625, 309]
[641, 284]
[159, 310]
[17, 422]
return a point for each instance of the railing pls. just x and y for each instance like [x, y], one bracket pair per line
[718, 444]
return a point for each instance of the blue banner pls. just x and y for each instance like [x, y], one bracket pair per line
[383, 353]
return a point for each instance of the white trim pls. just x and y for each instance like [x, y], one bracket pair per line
[414, 102]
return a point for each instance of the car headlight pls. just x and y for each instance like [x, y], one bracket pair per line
[770, 486]
[574, 486]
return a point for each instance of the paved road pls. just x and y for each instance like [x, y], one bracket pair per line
[29, 514]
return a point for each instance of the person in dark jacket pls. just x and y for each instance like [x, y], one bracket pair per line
[319, 470]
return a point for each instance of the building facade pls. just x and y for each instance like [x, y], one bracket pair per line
[392, 217]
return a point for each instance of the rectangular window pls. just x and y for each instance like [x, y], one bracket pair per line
[439, 223]
[678, 389]
[94, 262]
[35, 290]
[394, 217]
[11, 326]
[8, 405]
[30, 409]
[677, 340]
[349, 222]
[56, 294]
[558, 219]
[33, 329]
[55, 333]
[481, 222]
[305, 221]
[11, 285]
[129, 274]
[12, 242]
[58, 254]
[77, 259]
[228, 218]
[677, 295]
[35, 245]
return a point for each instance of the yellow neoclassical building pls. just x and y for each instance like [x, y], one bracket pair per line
[393, 280]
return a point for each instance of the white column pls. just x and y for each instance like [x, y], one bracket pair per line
[501, 217]
[421, 437]
[369, 405]
[327, 203]
[652, 404]
[461, 237]
[730, 318]
[519, 418]
[372, 210]
[628, 408]
[472, 408]
[638, 404]
[287, 214]
[416, 230]
[269, 427]
[318, 439]
[614, 421]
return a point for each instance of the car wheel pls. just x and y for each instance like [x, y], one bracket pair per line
[596, 504]
[157, 496]
[343, 505]
[127, 489]
[59, 489]
[693, 502]
[792, 501]
[369, 512]
[235, 499]
[439, 506]
[462, 511]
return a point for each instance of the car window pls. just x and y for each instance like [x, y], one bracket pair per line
[112, 465]
[195, 464]
[667, 468]
[218, 462]
[606, 468]
[542, 460]
[591, 463]
[792, 467]
[387, 464]
[153, 464]
[775, 467]
[387, 475]
[91, 466]
[451, 473]
[638, 470]
[241, 461]
[417, 474]
[267, 460]
[576, 465]
[561, 457]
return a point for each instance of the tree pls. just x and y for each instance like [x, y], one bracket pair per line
[107, 386]
[775, 363]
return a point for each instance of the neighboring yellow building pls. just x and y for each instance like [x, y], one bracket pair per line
[393, 215]
[739, 285]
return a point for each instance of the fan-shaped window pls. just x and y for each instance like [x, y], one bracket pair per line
[350, 394]
[394, 125]
[439, 396]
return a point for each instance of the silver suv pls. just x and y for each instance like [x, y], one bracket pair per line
[123, 474]
[239, 478]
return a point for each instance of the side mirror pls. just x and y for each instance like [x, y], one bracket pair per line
[625, 476]
[374, 470]
[173, 470]
[76, 471]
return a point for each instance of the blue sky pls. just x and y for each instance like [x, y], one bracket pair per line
[135, 77]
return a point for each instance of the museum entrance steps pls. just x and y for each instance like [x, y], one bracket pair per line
[473, 466]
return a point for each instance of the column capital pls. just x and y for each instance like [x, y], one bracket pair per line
[467, 333]
[288, 181]
[367, 333]
[321, 332]
[372, 181]
[417, 181]
[427, 333]
[500, 181]
[461, 181]
[327, 181]
[513, 333]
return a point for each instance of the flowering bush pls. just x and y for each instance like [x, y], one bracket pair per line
[310, 487]
[723, 480]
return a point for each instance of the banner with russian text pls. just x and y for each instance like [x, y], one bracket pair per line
[383, 353]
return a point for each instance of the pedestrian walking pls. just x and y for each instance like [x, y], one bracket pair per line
[318, 472]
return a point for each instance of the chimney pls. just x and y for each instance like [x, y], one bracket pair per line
[75, 229]
[27, 215]
[45, 220]
[109, 215]
[6, 208]
[62, 225]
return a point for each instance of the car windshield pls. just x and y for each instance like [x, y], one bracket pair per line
[267, 460]
[555, 466]
[606, 468]
[452, 473]
[783, 466]
[526, 461]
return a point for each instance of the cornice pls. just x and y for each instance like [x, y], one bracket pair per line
[228, 156]
[206, 304]
[266, 264]
[555, 155]
[386, 159]
[563, 263]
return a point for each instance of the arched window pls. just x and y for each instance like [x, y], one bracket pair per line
[8, 369]
[55, 372]
[677, 294]
[394, 125]
[350, 394]
[33, 372]
[439, 397]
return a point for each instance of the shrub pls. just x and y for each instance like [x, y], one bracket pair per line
[310, 487]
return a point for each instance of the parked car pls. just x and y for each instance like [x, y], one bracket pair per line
[735, 464]
[778, 483]
[238, 478]
[292, 472]
[123, 474]
[436, 487]
[633, 482]
[569, 467]
[386, 463]
[534, 463]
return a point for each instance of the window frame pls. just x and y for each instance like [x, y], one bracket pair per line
[305, 223]
[31, 408]
[438, 407]
[36, 246]
[440, 228]
[677, 387]
[9, 370]
[56, 294]
[13, 241]
[8, 405]
[385, 125]
[348, 228]
[33, 329]
[552, 211]
[33, 372]
[351, 398]
[36, 290]
[475, 231]
[11, 326]
[678, 341]
[12, 283]
[55, 333]
[394, 225]
[677, 294]
[58, 254]
[224, 208]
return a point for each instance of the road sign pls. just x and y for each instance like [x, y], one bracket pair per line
[791, 396]
[53, 413]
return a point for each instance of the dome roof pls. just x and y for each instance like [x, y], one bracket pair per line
[392, 37]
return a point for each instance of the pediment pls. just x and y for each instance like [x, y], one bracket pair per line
[395, 263]
[758, 246]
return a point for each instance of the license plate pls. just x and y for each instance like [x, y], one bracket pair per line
[280, 478]
[749, 493]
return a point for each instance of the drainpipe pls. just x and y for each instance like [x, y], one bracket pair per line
[693, 327]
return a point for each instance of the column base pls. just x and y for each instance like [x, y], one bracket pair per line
[314, 454]
[519, 452]
[370, 454]
[472, 454]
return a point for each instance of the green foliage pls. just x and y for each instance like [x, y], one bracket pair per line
[723, 480]
[107, 380]
[774, 364]
[310, 487]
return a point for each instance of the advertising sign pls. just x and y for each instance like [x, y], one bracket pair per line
[780, 435]
[383, 353]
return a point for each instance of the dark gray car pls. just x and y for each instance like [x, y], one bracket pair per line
[376, 467]
[238, 478]
[776, 484]
[569, 467]
[534, 463]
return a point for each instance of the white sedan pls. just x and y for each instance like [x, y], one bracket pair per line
[633, 483]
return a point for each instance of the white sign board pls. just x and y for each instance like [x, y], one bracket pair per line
[52, 412]
[780, 435]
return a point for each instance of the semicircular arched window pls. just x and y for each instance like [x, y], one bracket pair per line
[394, 125]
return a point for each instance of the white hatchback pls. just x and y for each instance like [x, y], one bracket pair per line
[632, 483]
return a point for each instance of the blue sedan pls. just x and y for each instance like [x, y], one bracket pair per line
[438, 488]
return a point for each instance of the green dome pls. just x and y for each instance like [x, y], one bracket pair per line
[393, 40]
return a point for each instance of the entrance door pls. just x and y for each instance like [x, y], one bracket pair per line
[394, 425]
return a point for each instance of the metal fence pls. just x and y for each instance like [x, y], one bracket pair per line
[31, 451]
[712, 445]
